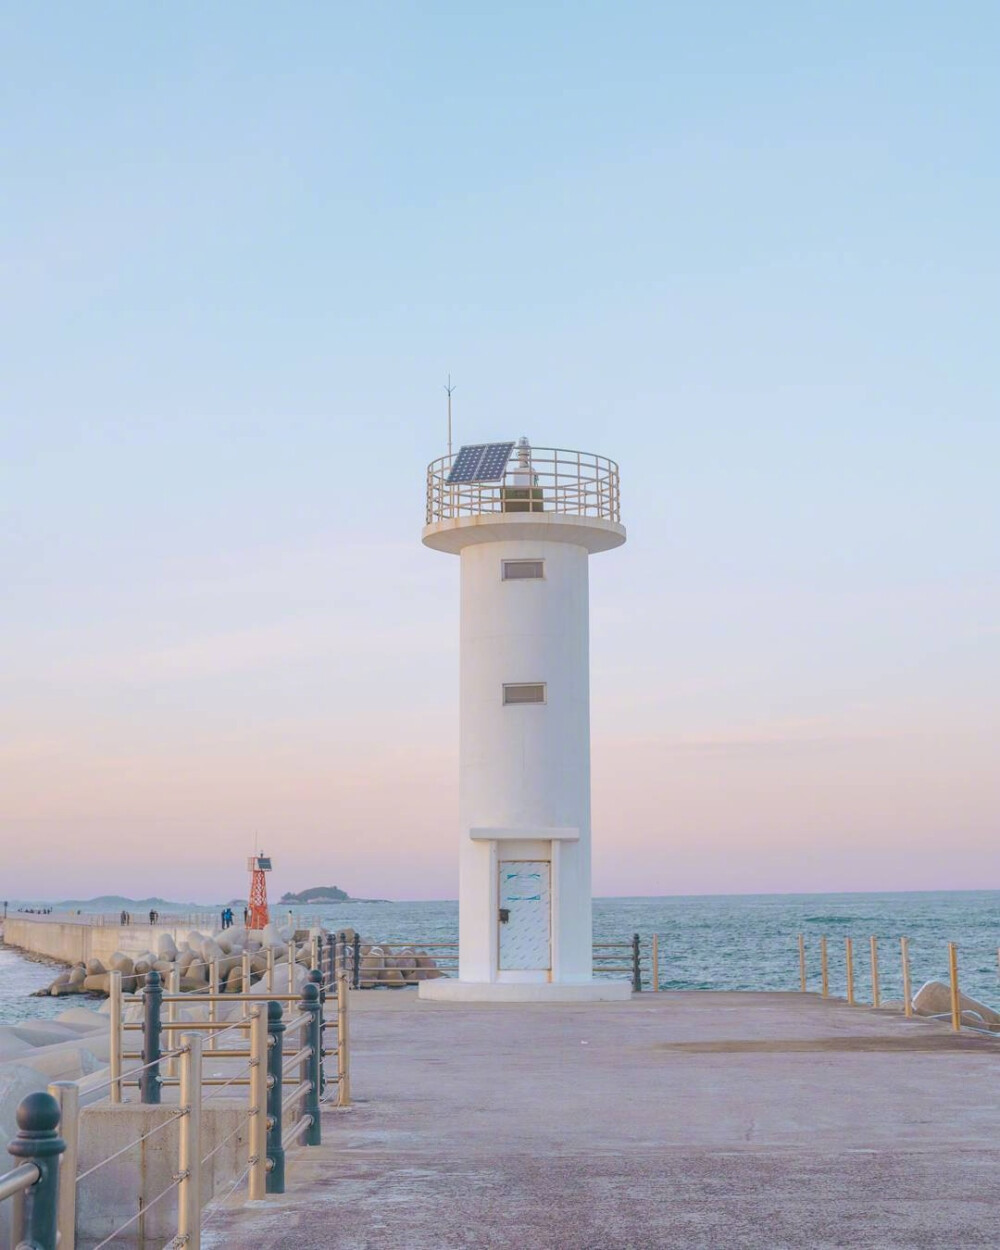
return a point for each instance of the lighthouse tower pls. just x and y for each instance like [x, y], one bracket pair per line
[524, 521]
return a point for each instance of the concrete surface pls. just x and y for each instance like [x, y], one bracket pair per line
[448, 990]
[117, 1191]
[701, 1120]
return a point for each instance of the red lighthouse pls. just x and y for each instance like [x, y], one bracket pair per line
[258, 866]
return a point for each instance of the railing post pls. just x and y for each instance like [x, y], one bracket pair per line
[314, 951]
[343, 1043]
[904, 956]
[115, 1047]
[275, 1150]
[310, 1071]
[38, 1142]
[357, 961]
[849, 956]
[956, 1001]
[149, 1077]
[636, 965]
[802, 963]
[270, 969]
[245, 975]
[257, 1137]
[67, 1095]
[189, 1150]
[655, 956]
[291, 965]
[824, 968]
[213, 1006]
[876, 996]
[331, 960]
[315, 976]
[173, 992]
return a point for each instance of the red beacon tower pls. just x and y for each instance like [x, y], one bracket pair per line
[258, 866]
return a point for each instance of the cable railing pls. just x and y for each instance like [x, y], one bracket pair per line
[280, 1080]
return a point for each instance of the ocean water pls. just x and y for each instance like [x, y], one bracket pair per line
[717, 942]
[18, 978]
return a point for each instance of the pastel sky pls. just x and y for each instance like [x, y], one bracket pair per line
[749, 250]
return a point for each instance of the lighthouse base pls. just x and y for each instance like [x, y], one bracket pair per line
[446, 990]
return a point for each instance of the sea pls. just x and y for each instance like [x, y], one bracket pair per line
[711, 942]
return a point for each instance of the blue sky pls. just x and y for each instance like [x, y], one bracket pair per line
[751, 252]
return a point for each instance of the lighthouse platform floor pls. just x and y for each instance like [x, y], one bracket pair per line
[684, 1120]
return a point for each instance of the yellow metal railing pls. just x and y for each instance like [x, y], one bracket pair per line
[953, 1015]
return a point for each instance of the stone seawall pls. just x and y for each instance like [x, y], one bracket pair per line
[75, 942]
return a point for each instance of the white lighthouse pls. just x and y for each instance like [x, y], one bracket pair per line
[525, 521]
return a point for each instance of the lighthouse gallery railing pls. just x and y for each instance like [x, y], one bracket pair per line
[571, 483]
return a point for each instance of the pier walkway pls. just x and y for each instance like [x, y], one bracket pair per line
[682, 1120]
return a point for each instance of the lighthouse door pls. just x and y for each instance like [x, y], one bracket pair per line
[525, 900]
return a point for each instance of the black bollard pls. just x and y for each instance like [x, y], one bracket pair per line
[317, 980]
[357, 961]
[38, 1142]
[310, 1071]
[149, 1077]
[275, 1183]
[636, 964]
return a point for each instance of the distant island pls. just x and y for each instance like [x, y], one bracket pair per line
[318, 894]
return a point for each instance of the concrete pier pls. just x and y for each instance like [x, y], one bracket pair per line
[71, 940]
[688, 1120]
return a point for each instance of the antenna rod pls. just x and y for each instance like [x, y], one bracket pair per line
[449, 388]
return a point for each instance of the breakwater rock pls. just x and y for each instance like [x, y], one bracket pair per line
[73, 1045]
[225, 955]
[394, 967]
[195, 958]
[934, 999]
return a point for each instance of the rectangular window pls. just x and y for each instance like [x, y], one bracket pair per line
[520, 570]
[524, 692]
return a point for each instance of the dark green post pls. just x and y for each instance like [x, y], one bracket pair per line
[275, 1183]
[310, 1071]
[152, 1000]
[317, 979]
[357, 961]
[38, 1142]
[636, 964]
[331, 959]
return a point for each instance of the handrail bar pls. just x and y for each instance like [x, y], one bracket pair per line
[18, 1179]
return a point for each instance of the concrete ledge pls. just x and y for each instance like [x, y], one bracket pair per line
[593, 533]
[129, 1183]
[445, 990]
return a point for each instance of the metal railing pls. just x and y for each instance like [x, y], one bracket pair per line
[640, 963]
[954, 1013]
[548, 479]
[33, 1185]
[285, 1089]
[404, 961]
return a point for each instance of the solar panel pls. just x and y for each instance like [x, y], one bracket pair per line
[480, 462]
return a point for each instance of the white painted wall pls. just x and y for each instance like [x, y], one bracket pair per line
[525, 767]
[524, 770]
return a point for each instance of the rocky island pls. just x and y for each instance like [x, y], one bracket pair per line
[318, 894]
